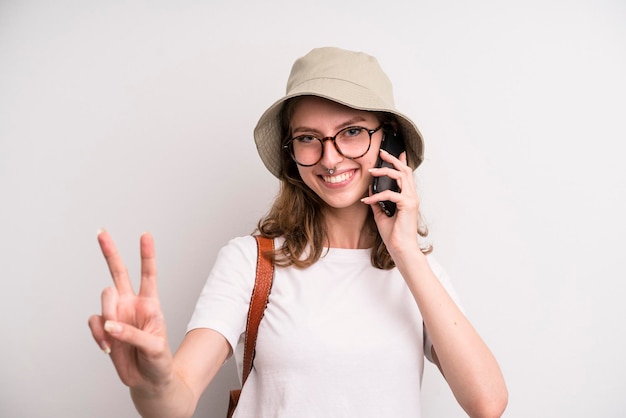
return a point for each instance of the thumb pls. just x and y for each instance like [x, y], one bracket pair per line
[151, 345]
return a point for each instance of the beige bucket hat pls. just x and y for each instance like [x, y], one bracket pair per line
[353, 79]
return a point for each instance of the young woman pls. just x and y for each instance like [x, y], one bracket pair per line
[357, 302]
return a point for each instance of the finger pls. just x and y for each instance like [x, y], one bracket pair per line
[96, 325]
[373, 202]
[109, 300]
[373, 198]
[404, 200]
[403, 157]
[386, 156]
[148, 287]
[382, 196]
[402, 173]
[149, 344]
[386, 171]
[118, 270]
[399, 163]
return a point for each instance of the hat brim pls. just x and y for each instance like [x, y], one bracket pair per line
[267, 133]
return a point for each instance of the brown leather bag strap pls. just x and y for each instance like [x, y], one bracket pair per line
[258, 301]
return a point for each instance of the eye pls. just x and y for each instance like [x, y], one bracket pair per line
[305, 139]
[352, 131]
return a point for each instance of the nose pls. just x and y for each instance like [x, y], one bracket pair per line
[331, 157]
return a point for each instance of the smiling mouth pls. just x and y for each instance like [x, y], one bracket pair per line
[338, 178]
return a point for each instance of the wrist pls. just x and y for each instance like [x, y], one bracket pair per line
[405, 252]
[409, 258]
[167, 399]
[153, 390]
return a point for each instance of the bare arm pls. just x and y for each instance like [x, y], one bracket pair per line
[195, 364]
[468, 365]
[131, 328]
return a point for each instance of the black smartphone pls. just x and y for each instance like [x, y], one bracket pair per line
[392, 143]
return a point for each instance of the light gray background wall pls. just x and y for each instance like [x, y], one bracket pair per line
[138, 116]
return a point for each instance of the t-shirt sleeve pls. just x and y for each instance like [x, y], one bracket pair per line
[225, 297]
[444, 279]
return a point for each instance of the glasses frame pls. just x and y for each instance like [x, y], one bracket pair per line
[289, 144]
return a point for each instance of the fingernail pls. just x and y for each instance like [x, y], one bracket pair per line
[112, 327]
[372, 169]
[105, 347]
[100, 230]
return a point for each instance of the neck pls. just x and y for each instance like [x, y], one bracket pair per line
[347, 227]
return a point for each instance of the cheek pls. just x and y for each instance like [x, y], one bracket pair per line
[302, 171]
[305, 174]
[372, 160]
[369, 159]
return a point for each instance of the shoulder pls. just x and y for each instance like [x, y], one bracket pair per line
[236, 257]
[245, 243]
[240, 253]
[240, 248]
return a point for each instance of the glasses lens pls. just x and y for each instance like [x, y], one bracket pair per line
[306, 149]
[353, 142]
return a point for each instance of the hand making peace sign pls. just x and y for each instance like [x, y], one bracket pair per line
[131, 326]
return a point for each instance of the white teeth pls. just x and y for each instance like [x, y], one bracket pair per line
[339, 178]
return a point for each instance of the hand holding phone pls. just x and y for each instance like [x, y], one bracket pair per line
[394, 145]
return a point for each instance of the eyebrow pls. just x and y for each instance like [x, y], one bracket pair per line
[339, 127]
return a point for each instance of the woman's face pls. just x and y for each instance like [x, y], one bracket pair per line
[350, 180]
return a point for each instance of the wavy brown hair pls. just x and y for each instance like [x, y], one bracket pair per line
[297, 215]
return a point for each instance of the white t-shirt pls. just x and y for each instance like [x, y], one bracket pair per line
[340, 338]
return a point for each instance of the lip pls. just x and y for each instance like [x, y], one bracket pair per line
[337, 179]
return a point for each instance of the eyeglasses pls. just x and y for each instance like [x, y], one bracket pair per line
[351, 142]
